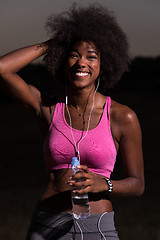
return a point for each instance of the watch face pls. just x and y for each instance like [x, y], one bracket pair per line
[110, 185]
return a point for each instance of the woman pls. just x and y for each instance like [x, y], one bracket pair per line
[87, 54]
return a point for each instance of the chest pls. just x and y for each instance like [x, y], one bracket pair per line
[83, 122]
[95, 148]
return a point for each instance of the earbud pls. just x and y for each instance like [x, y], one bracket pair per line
[66, 100]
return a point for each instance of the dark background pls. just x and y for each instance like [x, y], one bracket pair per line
[22, 170]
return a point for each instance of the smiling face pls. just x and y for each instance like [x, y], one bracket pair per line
[83, 65]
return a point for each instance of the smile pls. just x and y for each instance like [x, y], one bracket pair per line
[81, 74]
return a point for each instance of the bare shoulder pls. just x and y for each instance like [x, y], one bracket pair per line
[121, 113]
[124, 121]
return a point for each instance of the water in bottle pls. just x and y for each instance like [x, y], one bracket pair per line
[80, 202]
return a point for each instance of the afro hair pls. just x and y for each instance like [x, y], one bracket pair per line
[93, 24]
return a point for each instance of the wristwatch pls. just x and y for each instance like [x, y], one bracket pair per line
[110, 185]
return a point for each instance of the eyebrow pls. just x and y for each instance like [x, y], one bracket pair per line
[89, 51]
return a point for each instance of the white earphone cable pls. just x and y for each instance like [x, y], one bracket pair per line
[80, 230]
[89, 119]
[99, 221]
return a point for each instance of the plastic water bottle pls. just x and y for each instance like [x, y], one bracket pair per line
[80, 202]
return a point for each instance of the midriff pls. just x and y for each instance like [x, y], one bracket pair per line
[57, 195]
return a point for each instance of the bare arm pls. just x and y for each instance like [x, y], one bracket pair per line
[13, 84]
[130, 144]
[126, 130]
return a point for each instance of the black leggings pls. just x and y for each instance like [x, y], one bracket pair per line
[48, 224]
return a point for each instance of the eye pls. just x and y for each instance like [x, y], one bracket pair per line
[72, 55]
[92, 57]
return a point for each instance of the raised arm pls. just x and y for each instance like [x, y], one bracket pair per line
[13, 84]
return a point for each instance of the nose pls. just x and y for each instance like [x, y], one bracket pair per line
[81, 62]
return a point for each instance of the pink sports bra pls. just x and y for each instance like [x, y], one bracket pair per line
[97, 149]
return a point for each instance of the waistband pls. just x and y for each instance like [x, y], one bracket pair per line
[52, 224]
[53, 218]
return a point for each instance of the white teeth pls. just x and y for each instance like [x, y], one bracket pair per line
[81, 74]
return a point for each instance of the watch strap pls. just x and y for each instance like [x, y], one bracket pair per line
[110, 185]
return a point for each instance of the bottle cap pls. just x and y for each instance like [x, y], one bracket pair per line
[74, 162]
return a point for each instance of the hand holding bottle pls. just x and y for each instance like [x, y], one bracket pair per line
[80, 202]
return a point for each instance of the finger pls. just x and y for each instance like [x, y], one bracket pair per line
[84, 168]
[82, 190]
[78, 181]
[80, 175]
[70, 182]
[82, 185]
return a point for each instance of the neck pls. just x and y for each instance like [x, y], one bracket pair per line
[81, 99]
